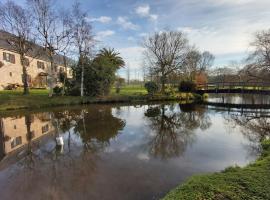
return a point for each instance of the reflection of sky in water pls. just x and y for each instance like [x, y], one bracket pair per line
[213, 149]
[239, 98]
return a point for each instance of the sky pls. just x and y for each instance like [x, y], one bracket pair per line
[223, 27]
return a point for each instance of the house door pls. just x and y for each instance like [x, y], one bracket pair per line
[42, 81]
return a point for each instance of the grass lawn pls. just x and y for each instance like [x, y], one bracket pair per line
[234, 183]
[38, 98]
[14, 99]
[130, 90]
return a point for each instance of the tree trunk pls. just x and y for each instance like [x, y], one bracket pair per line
[51, 78]
[82, 81]
[25, 76]
[65, 76]
[163, 81]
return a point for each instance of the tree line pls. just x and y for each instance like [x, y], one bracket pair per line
[169, 54]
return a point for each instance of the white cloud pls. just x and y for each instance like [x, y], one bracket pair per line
[144, 11]
[102, 19]
[126, 24]
[143, 34]
[153, 17]
[224, 40]
[103, 34]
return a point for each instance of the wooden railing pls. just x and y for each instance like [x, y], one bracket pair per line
[226, 85]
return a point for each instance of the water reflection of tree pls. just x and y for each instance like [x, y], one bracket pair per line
[29, 157]
[254, 126]
[96, 126]
[173, 130]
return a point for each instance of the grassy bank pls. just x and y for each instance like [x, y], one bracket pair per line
[14, 100]
[251, 182]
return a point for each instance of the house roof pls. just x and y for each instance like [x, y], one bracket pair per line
[37, 51]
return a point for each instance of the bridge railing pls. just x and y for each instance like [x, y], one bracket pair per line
[234, 85]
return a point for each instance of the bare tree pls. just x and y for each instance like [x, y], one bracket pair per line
[165, 53]
[206, 61]
[196, 63]
[259, 60]
[65, 44]
[17, 20]
[51, 30]
[83, 39]
[191, 64]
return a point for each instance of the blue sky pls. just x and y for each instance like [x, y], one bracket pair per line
[223, 27]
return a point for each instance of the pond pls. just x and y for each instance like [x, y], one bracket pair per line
[121, 151]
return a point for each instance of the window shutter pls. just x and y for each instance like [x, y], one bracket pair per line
[12, 58]
[4, 56]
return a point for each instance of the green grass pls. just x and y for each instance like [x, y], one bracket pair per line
[249, 183]
[14, 100]
[130, 90]
[11, 100]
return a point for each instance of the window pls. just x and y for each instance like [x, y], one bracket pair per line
[40, 65]
[45, 128]
[15, 127]
[15, 142]
[10, 74]
[9, 57]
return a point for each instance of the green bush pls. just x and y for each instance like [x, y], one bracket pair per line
[57, 90]
[74, 91]
[169, 91]
[151, 87]
[187, 86]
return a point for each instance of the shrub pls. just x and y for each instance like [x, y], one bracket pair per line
[74, 91]
[169, 91]
[151, 87]
[57, 90]
[187, 86]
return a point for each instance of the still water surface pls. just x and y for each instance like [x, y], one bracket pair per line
[120, 151]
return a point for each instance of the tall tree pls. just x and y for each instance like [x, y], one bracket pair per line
[196, 62]
[112, 56]
[165, 53]
[259, 60]
[17, 21]
[83, 39]
[51, 31]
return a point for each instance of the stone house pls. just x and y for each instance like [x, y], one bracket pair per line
[38, 65]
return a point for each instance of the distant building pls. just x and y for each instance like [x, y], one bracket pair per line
[38, 65]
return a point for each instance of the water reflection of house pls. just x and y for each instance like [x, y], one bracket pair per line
[14, 133]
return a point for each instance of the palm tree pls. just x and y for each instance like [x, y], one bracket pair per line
[112, 56]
